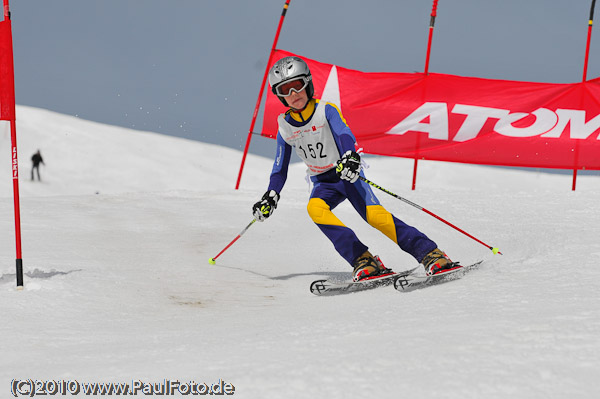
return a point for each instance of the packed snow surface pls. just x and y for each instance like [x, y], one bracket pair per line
[118, 288]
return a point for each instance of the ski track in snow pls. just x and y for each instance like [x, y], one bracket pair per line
[116, 242]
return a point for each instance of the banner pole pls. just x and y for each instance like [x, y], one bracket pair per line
[589, 38]
[427, 57]
[8, 113]
[260, 93]
[431, 26]
[17, 206]
[584, 79]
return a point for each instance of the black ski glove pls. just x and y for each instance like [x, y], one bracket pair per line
[348, 167]
[265, 207]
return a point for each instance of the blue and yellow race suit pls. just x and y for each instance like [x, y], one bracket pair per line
[320, 135]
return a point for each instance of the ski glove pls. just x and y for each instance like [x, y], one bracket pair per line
[265, 207]
[348, 167]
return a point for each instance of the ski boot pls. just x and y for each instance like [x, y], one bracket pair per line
[438, 262]
[366, 265]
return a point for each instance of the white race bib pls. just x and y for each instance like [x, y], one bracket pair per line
[314, 142]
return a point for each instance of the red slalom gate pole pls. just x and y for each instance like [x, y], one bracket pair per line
[212, 261]
[431, 26]
[17, 206]
[589, 39]
[493, 249]
[427, 57]
[584, 79]
[260, 93]
[7, 112]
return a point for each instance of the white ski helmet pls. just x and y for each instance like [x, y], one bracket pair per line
[288, 69]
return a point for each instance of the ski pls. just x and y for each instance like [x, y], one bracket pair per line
[328, 288]
[411, 282]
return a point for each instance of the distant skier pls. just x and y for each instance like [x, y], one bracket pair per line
[328, 148]
[36, 159]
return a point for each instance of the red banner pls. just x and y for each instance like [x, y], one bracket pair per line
[7, 83]
[460, 119]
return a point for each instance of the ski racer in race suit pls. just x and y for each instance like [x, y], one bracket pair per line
[322, 139]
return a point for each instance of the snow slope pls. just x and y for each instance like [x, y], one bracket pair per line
[117, 236]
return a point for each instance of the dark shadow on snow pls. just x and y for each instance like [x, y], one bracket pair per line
[36, 273]
[340, 276]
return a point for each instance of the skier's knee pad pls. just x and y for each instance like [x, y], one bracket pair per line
[320, 212]
[382, 220]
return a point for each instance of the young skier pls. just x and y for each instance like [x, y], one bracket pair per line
[323, 140]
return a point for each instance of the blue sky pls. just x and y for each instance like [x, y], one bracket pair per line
[193, 68]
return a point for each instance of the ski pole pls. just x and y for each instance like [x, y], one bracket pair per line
[493, 249]
[212, 261]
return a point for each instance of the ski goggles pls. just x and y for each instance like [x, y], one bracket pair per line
[297, 85]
